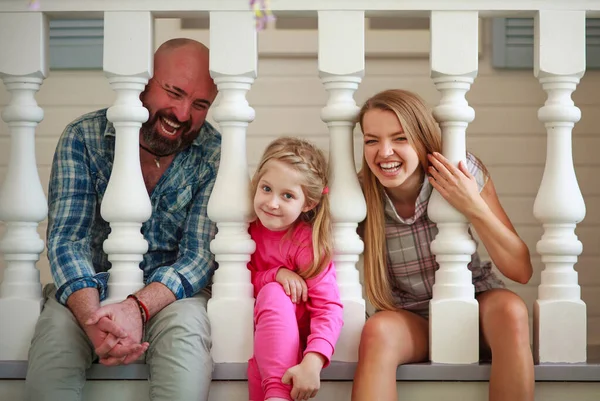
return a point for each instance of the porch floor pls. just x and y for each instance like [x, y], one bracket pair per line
[344, 371]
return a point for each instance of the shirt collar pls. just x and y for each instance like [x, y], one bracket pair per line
[420, 204]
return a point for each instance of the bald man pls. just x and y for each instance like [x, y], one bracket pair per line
[165, 321]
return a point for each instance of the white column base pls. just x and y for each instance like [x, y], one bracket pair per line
[18, 318]
[346, 349]
[454, 331]
[560, 331]
[232, 325]
[348, 247]
[231, 307]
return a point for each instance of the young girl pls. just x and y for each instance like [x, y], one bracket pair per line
[298, 312]
[401, 167]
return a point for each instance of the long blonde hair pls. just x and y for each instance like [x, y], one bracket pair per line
[423, 134]
[308, 160]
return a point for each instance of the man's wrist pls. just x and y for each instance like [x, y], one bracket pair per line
[140, 306]
[82, 303]
[155, 296]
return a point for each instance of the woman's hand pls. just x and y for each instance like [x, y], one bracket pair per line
[294, 285]
[506, 249]
[456, 185]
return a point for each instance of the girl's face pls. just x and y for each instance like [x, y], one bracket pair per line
[389, 156]
[279, 198]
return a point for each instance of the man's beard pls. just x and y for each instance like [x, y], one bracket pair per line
[162, 146]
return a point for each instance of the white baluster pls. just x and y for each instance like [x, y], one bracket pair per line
[454, 312]
[23, 67]
[341, 68]
[128, 64]
[559, 312]
[233, 66]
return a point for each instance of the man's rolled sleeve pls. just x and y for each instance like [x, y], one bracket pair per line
[99, 281]
[71, 206]
[168, 276]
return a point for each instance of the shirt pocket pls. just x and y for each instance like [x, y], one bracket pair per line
[100, 184]
[173, 208]
[174, 205]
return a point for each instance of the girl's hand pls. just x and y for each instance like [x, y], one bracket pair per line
[456, 185]
[294, 285]
[305, 377]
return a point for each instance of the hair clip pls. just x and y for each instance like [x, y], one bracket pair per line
[325, 190]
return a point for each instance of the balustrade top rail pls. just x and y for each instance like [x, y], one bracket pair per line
[174, 8]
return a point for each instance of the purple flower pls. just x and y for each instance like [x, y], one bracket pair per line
[262, 13]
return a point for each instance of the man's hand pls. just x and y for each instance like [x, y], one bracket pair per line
[102, 338]
[123, 350]
[305, 377]
[105, 334]
[293, 285]
[116, 330]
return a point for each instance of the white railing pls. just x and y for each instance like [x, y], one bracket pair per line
[559, 313]
[234, 72]
[453, 292]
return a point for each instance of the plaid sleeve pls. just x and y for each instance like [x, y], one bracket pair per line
[195, 263]
[477, 168]
[71, 207]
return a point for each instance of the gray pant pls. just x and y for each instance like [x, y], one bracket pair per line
[178, 357]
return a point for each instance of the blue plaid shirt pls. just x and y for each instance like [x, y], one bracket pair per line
[178, 233]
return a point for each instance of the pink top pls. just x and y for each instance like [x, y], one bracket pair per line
[277, 249]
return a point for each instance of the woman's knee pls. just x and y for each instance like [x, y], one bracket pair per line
[504, 313]
[394, 336]
[373, 336]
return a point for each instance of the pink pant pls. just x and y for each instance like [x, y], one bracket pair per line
[280, 331]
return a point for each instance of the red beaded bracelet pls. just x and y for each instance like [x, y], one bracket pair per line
[143, 308]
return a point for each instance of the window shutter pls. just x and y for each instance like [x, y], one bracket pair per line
[76, 44]
[592, 50]
[512, 43]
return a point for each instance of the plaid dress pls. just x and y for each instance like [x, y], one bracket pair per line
[411, 263]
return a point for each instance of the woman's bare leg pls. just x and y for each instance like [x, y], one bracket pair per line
[505, 328]
[388, 339]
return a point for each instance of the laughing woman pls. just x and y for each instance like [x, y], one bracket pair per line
[402, 164]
